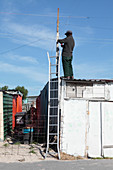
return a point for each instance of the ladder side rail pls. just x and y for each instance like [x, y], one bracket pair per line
[58, 127]
[48, 105]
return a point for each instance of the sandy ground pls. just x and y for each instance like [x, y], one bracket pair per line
[22, 153]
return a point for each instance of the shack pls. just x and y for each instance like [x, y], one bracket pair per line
[86, 116]
[10, 103]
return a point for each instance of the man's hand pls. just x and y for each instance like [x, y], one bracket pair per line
[57, 41]
[62, 45]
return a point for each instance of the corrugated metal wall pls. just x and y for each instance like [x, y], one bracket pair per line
[7, 113]
[42, 113]
[9, 105]
[1, 118]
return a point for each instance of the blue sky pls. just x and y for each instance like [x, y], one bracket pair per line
[28, 31]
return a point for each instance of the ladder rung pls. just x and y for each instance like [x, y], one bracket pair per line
[53, 89]
[54, 64]
[53, 106]
[52, 143]
[53, 125]
[52, 56]
[56, 81]
[53, 98]
[53, 134]
[54, 73]
[53, 116]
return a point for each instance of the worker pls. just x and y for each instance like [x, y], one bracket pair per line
[67, 54]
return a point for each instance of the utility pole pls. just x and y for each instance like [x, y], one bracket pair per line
[57, 45]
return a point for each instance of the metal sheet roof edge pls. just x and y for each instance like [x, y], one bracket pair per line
[88, 80]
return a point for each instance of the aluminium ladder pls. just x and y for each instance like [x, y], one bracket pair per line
[53, 104]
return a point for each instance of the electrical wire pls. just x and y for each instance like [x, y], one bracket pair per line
[13, 49]
[40, 15]
[83, 39]
[80, 27]
[99, 42]
[16, 35]
[99, 39]
[62, 16]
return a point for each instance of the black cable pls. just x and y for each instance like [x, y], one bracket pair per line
[13, 49]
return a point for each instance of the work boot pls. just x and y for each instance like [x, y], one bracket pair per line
[68, 77]
[72, 78]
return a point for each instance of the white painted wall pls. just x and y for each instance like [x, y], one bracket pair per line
[107, 110]
[77, 119]
[94, 135]
[74, 140]
[109, 89]
[97, 91]
[1, 118]
[73, 136]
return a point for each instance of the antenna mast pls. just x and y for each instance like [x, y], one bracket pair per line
[57, 45]
[57, 23]
[53, 130]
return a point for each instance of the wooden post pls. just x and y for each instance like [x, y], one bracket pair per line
[58, 21]
[57, 45]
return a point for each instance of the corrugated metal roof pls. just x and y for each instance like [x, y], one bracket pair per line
[32, 96]
[92, 81]
[12, 92]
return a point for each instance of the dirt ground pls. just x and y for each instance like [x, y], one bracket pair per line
[11, 151]
[21, 152]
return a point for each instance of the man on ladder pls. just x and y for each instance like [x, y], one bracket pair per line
[67, 54]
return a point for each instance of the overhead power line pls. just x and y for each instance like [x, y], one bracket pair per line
[27, 44]
[94, 40]
[13, 49]
[52, 15]
[83, 27]
[44, 15]
[79, 38]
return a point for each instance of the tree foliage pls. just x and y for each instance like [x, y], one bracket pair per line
[4, 88]
[18, 88]
[22, 90]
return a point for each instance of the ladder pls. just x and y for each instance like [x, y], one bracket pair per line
[53, 127]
